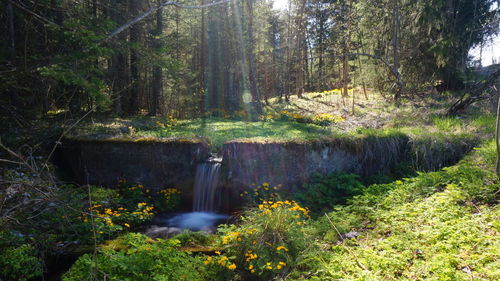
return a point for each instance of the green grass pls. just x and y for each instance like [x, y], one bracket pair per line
[219, 131]
[447, 123]
[485, 123]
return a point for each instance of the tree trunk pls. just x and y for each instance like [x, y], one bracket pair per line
[497, 136]
[203, 61]
[395, 45]
[157, 87]
[12, 34]
[119, 66]
[251, 71]
[135, 34]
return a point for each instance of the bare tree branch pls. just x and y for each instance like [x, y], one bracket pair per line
[37, 16]
[393, 70]
[154, 9]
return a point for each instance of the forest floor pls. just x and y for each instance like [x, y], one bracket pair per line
[303, 119]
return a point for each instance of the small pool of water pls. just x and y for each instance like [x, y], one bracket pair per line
[195, 221]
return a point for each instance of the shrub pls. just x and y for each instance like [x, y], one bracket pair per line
[136, 257]
[19, 263]
[109, 221]
[266, 244]
[324, 192]
[259, 193]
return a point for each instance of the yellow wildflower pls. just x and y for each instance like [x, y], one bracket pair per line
[279, 248]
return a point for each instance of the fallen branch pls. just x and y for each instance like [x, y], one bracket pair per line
[475, 95]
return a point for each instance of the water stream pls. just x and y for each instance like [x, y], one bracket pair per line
[205, 185]
[205, 199]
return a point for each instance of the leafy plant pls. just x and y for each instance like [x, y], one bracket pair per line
[168, 200]
[261, 192]
[20, 263]
[325, 192]
[136, 257]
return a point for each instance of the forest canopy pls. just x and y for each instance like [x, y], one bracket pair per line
[188, 61]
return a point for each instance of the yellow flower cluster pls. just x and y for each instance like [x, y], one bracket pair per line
[109, 216]
[104, 214]
[169, 123]
[278, 266]
[283, 114]
[167, 193]
[329, 92]
[265, 190]
[250, 256]
[220, 260]
[144, 210]
[136, 187]
[268, 206]
[291, 115]
[267, 117]
[325, 119]
[231, 237]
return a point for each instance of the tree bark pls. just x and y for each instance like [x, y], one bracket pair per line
[254, 90]
[497, 137]
[157, 87]
[395, 45]
[12, 34]
[135, 34]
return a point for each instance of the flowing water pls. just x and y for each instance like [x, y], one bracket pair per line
[204, 216]
[205, 185]
[197, 221]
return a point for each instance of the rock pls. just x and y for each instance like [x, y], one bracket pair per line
[350, 235]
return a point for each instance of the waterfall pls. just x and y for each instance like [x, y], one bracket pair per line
[205, 185]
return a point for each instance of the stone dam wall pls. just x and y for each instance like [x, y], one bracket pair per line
[163, 163]
[155, 164]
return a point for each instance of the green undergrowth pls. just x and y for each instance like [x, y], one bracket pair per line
[437, 226]
[69, 219]
[440, 225]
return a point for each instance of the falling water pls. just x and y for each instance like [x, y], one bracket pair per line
[205, 185]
